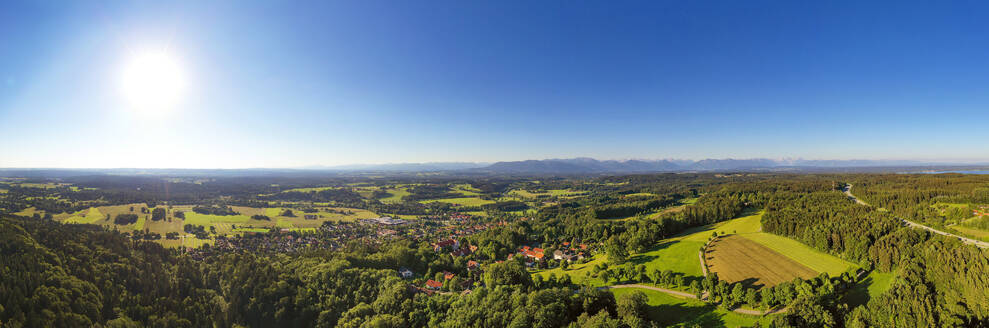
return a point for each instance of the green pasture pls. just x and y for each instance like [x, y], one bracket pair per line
[668, 310]
[463, 201]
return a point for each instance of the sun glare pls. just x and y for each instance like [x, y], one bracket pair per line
[152, 81]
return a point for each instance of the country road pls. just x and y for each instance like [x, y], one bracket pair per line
[692, 296]
[977, 243]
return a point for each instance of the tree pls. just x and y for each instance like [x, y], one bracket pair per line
[506, 273]
[616, 251]
[158, 214]
[632, 308]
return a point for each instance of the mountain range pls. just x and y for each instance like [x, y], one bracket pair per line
[583, 165]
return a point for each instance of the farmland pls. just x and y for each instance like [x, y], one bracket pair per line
[803, 254]
[738, 259]
[221, 224]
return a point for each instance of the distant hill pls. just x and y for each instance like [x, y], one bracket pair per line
[582, 165]
[405, 167]
[590, 165]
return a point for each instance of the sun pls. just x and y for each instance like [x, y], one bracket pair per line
[152, 81]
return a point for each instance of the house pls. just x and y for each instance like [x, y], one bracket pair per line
[560, 255]
[448, 275]
[472, 265]
[433, 284]
[405, 273]
[451, 243]
[538, 256]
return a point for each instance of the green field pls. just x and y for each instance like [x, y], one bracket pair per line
[92, 216]
[668, 310]
[396, 195]
[869, 287]
[283, 223]
[970, 232]
[464, 201]
[680, 253]
[675, 255]
[207, 220]
[314, 189]
[139, 225]
[547, 193]
[250, 230]
[223, 224]
[466, 190]
[579, 273]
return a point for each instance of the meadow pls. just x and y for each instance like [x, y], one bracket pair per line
[680, 253]
[463, 201]
[223, 224]
[871, 286]
[564, 193]
[579, 273]
[669, 310]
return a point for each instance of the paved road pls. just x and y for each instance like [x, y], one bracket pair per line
[692, 296]
[977, 243]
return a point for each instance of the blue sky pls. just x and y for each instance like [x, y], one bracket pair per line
[277, 84]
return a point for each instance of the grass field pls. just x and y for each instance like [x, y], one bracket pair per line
[579, 273]
[668, 310]
[680, 253]
[970, 232]
[466, 190]
[548, 193]
[209, 219]
[749, 223]
[223, 224]
[92, 215]
[737, 259]
[674, 255]
[314, 189]
[870, 287]
[464, 201]
[396, 195]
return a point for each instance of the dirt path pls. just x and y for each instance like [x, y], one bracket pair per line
[662, 290]
[977, 243]
[700, 256]
[692, 296]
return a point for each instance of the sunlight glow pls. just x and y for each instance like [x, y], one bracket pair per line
[152, 81]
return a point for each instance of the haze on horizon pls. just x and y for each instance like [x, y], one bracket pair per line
[234, 85]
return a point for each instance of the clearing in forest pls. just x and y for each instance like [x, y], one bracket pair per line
[737, 259]
[669, 310]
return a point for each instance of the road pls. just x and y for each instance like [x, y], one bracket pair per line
[977, 243]
[692, 296]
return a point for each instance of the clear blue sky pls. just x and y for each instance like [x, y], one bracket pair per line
[278, 84]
